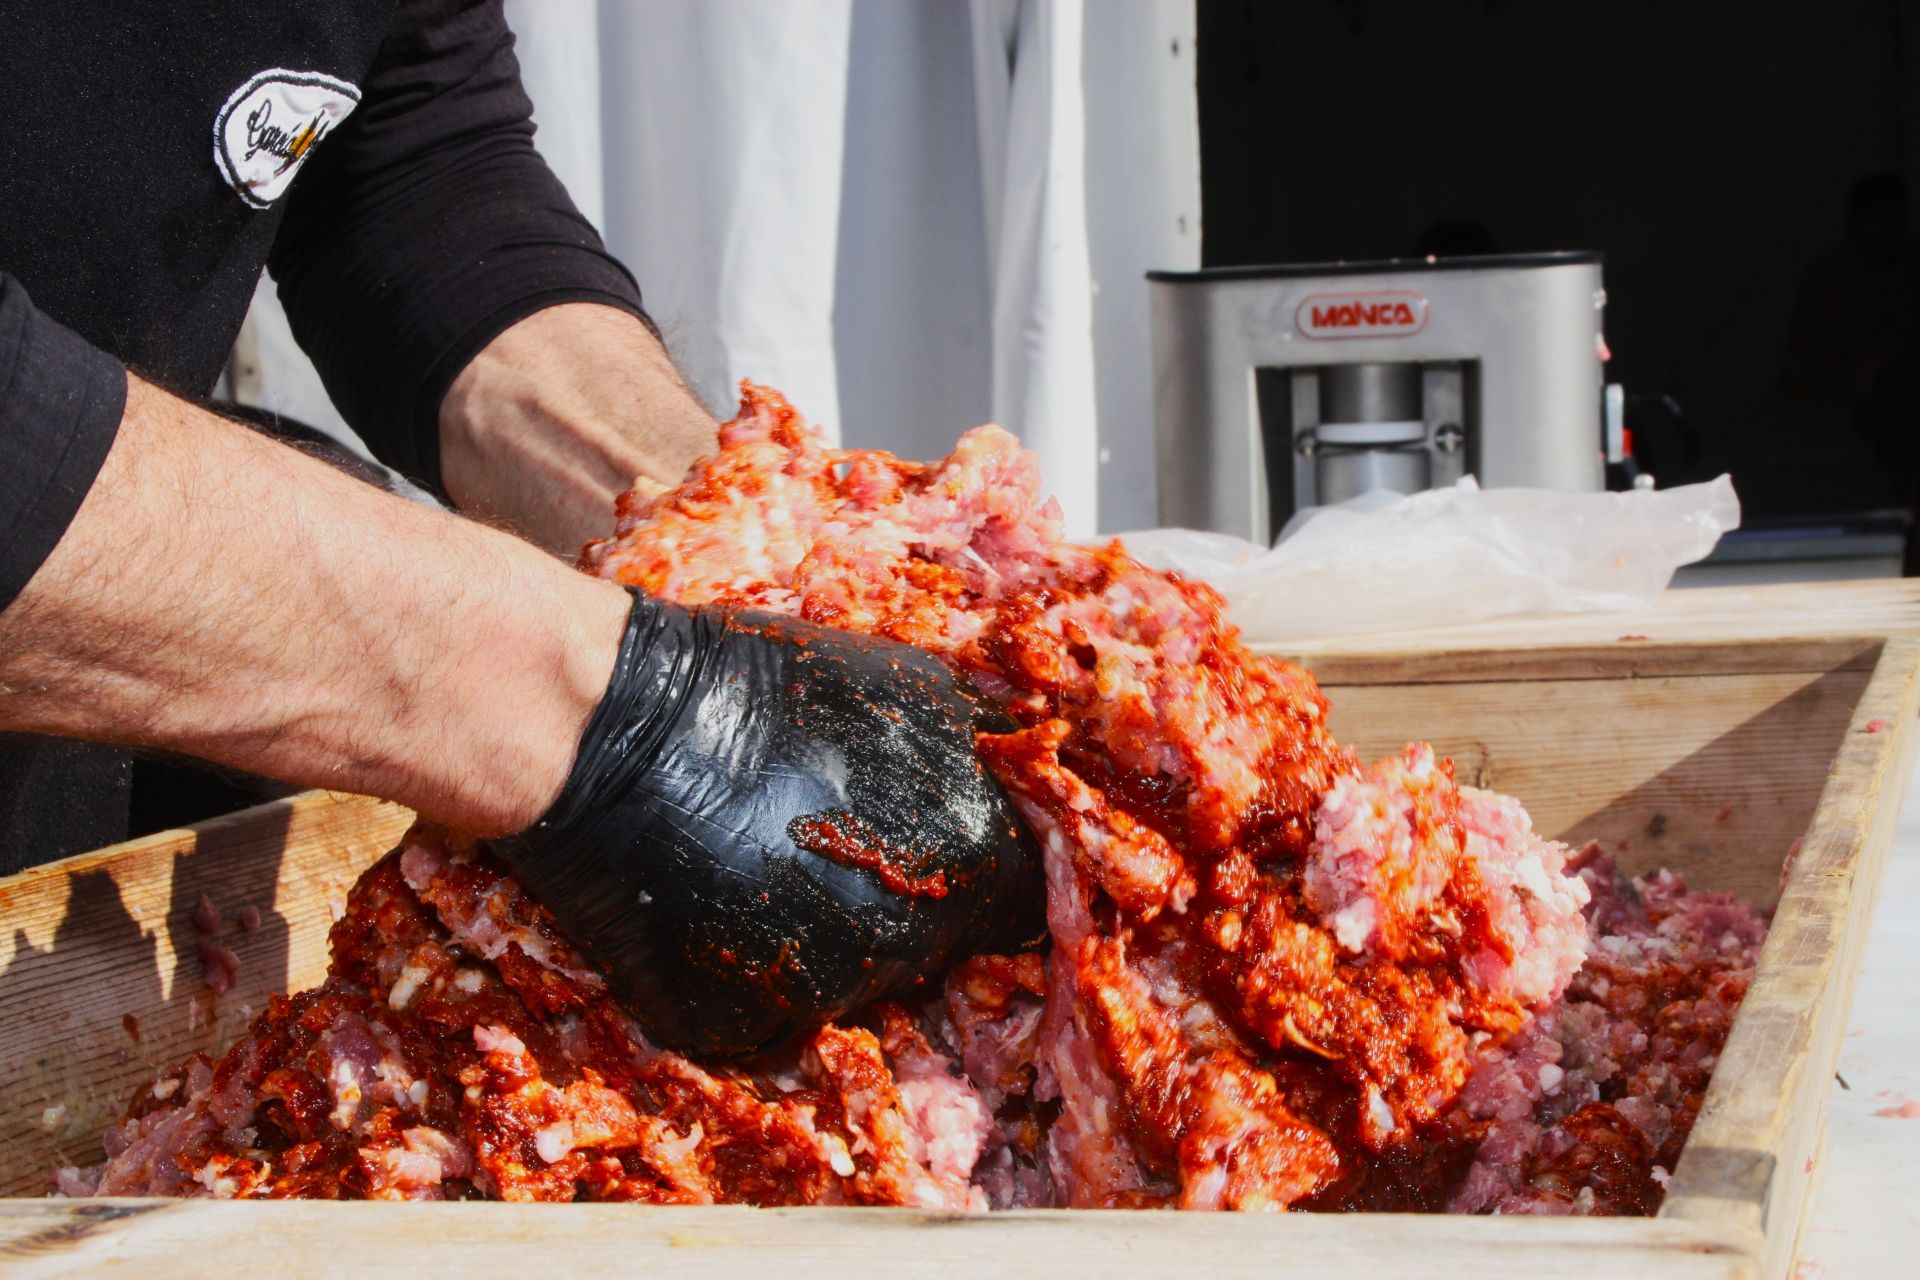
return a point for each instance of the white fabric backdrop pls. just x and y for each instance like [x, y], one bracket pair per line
[910, 215]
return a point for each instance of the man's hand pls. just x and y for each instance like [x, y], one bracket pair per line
[771, 823]
[558, 415]
[227, 597]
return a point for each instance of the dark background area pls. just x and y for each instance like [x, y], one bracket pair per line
[1707, 147]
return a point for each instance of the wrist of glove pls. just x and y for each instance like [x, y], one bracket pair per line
[769, 823]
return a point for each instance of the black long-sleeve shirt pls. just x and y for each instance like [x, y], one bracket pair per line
[377, 154]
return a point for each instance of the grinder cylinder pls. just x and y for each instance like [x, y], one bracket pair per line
[1371, 435]
[1348, 473]
[1370, 393]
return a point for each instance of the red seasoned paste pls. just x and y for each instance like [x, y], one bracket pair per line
[849, 841]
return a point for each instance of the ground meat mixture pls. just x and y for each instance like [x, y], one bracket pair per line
[1274, 978]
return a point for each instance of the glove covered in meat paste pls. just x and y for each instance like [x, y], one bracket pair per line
[770, 823]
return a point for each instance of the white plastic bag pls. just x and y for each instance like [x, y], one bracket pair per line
[1383, 562]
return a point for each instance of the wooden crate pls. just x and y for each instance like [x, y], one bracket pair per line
[1707, 758]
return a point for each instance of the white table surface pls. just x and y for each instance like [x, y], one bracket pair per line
[1866, 1211]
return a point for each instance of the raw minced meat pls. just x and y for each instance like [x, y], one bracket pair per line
[421, 1069]
[1274, 978]
[1402, 859]
[1586, 1107]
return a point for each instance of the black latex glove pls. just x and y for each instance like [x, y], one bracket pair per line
[706, 849]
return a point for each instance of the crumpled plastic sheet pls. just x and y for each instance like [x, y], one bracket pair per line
[1386, 562]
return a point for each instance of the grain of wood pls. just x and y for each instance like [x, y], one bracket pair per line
[1639, 658]
[100, 979]
[1765, 1112]
[1709, 776]
[1704, 617]
[476, 1241]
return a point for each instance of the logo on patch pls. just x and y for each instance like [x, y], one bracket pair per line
[271, 124]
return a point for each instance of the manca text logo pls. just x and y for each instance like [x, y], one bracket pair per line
[1390, 314]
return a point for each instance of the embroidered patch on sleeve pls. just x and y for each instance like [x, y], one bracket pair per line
[271, 124]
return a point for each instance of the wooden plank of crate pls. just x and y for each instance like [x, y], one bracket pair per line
[1703, 617]
[1751, 1153]
[1628, 656]
[100, 971]
[147, 1238]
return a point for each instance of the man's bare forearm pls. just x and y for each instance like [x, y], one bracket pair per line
[561, 413]
[226, 597]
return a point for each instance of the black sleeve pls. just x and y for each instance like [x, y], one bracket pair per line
[60, 404]
[426, 225]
